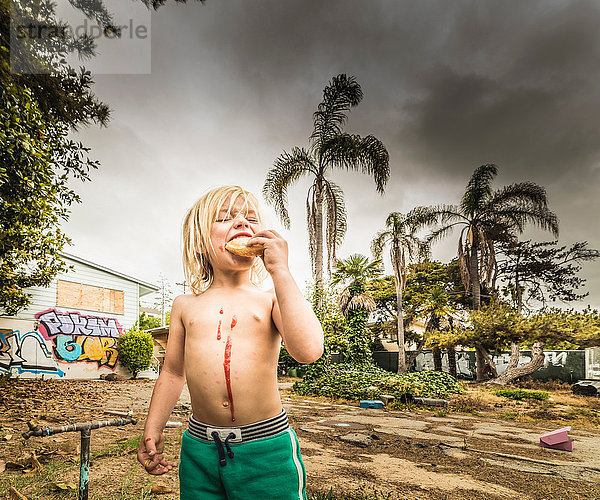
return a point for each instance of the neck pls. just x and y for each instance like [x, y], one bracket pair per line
[231, 279]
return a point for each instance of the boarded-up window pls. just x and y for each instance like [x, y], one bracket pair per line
[92, 298]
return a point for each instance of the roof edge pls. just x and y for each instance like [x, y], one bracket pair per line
[149, 286]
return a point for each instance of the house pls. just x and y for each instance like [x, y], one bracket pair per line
[71, 327]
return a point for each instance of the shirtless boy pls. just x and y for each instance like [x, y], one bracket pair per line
[224, 340]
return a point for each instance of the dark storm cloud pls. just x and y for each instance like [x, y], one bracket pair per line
[530, 105]
[448, 85]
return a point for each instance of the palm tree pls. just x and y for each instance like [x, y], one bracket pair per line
[355, 302]
[329, 148]
[404, 248]
[488, 216]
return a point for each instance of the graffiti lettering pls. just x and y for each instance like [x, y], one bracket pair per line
[81, 338]
[53, 322]
[66, 348]
[26, 353]
[566, 364]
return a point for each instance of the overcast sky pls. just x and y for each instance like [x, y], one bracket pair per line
[448, 86]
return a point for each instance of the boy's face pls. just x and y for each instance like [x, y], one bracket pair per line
[239, 220]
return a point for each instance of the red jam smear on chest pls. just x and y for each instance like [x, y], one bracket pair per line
[227, 369]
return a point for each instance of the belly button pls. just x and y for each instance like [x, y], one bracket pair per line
[225, 404]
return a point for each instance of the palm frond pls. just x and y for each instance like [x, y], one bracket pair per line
[440, 214]
[340, 94]
[361, 301]
[441, 232]
[528, 192]
[380, 240]
[353, 152]
[311, 222]
[463, 264]
[349, 302]
[356, 268]
[489, 266]
[420, 217]
[478, 189]
[517, 217]
[335, 215]
[287, 169]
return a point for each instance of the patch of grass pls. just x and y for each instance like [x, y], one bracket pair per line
[359, 494]
[509, 415]
[119, 447]
[38, 484]
[520, 394]
[466, 403]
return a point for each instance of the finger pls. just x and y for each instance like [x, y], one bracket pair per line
[164, 462]
[276, 234]
[259, 240]
[157, 461]
[150, 446]
[157, 471]
[264, 233]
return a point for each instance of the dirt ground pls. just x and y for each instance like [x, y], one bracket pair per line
[479, 447]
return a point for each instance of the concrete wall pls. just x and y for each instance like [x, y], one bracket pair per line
[592, 363]
[567, 365]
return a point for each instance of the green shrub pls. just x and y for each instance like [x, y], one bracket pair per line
[135, 350]
[520, 394]
[367, 381]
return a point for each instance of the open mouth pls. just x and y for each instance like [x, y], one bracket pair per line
[240, 235]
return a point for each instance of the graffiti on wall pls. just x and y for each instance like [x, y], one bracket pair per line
[76, 337]
[568, 365]
[26, 353]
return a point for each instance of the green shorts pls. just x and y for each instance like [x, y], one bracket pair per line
[252, 468]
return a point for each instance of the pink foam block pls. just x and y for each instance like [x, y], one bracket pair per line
[557, 436]
[566, 446]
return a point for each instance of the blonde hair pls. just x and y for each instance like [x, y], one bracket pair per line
[197, 244]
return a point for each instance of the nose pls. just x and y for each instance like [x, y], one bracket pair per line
[240, 221]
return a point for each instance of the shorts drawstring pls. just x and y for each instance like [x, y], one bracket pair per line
[229, 452]
[220, 450]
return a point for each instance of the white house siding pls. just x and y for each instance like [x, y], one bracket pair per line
[47, 340]
[45, 298]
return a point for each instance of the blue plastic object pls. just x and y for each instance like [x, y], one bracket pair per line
[371, 404]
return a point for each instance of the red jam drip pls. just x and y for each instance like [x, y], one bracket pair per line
[227, 369]
[219, 327]
[233, 321]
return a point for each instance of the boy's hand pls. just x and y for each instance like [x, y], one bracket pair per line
[275, 255]
[150, 455]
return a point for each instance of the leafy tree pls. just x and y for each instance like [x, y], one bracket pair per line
[404, 247]
[434, 293]
[329, 148]
[486, 217]
[135, 350]
[356, 303]
[547, 273]
[38, 160]
[326, 307]
[146, 322]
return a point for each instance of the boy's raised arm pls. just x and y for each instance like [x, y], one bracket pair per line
[164, 397]
[292, 314]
